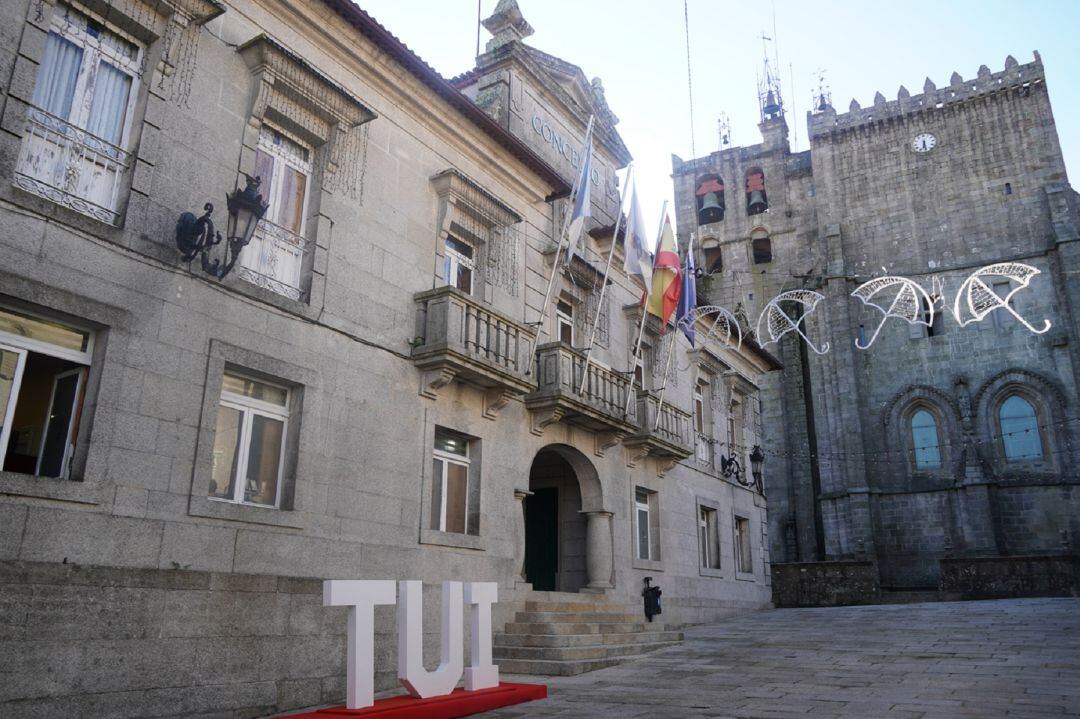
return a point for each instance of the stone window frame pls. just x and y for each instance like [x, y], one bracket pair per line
[713, 505]
[479, 541]
[304, 398]
[148, 106]
[463, 206]
[654, 563]
[86, 483]
[282, 96]
[1045, 397]
[899, 444]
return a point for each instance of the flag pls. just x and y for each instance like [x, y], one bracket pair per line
[688, 298]
[666, 286]
[582, 196]
[638, 262]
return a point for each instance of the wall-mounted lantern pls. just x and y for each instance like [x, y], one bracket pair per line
[757, 461]
[197, 236]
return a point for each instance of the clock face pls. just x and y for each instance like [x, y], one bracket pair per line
[923, 142]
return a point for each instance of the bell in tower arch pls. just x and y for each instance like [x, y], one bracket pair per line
[710, 199]
[756, 204]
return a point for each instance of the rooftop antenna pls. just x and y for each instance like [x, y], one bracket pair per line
[724, 126]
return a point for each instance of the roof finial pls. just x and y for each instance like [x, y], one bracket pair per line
[769, 98]
[507, 25]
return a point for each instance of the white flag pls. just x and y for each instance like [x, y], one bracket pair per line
[582, 197]
[638, 262]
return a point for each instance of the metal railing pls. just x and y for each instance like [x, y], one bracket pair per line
[274, 259]
[71, 167]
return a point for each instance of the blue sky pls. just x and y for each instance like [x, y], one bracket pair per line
[638, 49]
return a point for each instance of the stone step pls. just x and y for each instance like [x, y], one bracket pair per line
[576, 597]
[533, 605]
[560, 668]
[600, 651]
[573, 627]
[580, 640]
[615, 615]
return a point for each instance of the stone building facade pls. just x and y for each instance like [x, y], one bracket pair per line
[186, 457]
[936, 442]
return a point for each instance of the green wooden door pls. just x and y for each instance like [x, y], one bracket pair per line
[542, 538]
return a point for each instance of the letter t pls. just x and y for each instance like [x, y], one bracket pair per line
[360, 596]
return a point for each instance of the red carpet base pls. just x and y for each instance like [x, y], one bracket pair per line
[460, 703]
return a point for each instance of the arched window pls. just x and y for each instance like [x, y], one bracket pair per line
[761, 246]
[714, 259]
[924, 440]
[756, 199]
[1020, 434]
[710, 199]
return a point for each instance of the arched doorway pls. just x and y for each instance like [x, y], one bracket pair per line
[567, 530]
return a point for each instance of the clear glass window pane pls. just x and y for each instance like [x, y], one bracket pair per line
[57, 76]
[9, 364]
[264, 460]
[54, 447]
[1020, 430]
[255, 390]
[290, 213]
[452, 443]
[33, 328]
[437, 493]
[226, 452]
[643, 533]
[457, 489]
[464, 279]
[924, 437]
[463, 249]
[109, 107]
[264, 170]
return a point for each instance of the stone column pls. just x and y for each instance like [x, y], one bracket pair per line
[598, 557]
[519, 534]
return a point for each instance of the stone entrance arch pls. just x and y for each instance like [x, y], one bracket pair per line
[567, 543]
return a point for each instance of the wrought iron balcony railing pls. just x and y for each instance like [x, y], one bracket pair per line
[461, 339]
[71, 167]
[662, 430]
[600, 406]
[274, 259]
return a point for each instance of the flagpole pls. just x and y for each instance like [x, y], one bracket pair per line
[671, 349]
[555, 263]
[644, 314]
[603, 289]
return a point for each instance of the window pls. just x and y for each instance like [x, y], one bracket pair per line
[43, 370]
[756, 199]
[924, 440]
[80, 116]
[701, 421]
[564, 317]
[708, 538]
[249, 442]
[639, 371]
[455, 495]
[714, 260]
[275, 257]
[743, 557]
[643, 524]
[761, 246]
[459, 264]
[1020, 435]
[734, 424]
[710, 199]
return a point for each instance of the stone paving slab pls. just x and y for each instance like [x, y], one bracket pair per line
[1006, 658]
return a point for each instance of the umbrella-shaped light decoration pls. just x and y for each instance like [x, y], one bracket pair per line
[895, 297]
[779, 323]
[980, 298]
[723, 327]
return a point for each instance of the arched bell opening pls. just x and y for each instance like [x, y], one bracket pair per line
[757, 201]
[710, 199]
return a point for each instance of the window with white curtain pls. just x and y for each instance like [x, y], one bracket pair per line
[275, 257]
[78, 125]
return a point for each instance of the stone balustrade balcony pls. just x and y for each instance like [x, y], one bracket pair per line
[460, 338]
[663, 431]
[599, 406]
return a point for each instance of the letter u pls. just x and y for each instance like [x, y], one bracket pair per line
[411, 673]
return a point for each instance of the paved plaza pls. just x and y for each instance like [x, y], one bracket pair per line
[1006, 658]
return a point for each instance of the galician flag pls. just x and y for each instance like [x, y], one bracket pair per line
[581, 196]
[666, 279]
[638, 262]
[688, 298]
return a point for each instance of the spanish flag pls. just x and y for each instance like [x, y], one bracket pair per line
[666, 284]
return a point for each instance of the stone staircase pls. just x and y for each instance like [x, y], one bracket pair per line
[561, 634]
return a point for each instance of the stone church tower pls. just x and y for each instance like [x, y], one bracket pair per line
[940, 442]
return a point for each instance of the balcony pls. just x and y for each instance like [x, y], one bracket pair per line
[599, 407]
[668, 437]
[71, 167]
[461, 339]
[274, 260]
